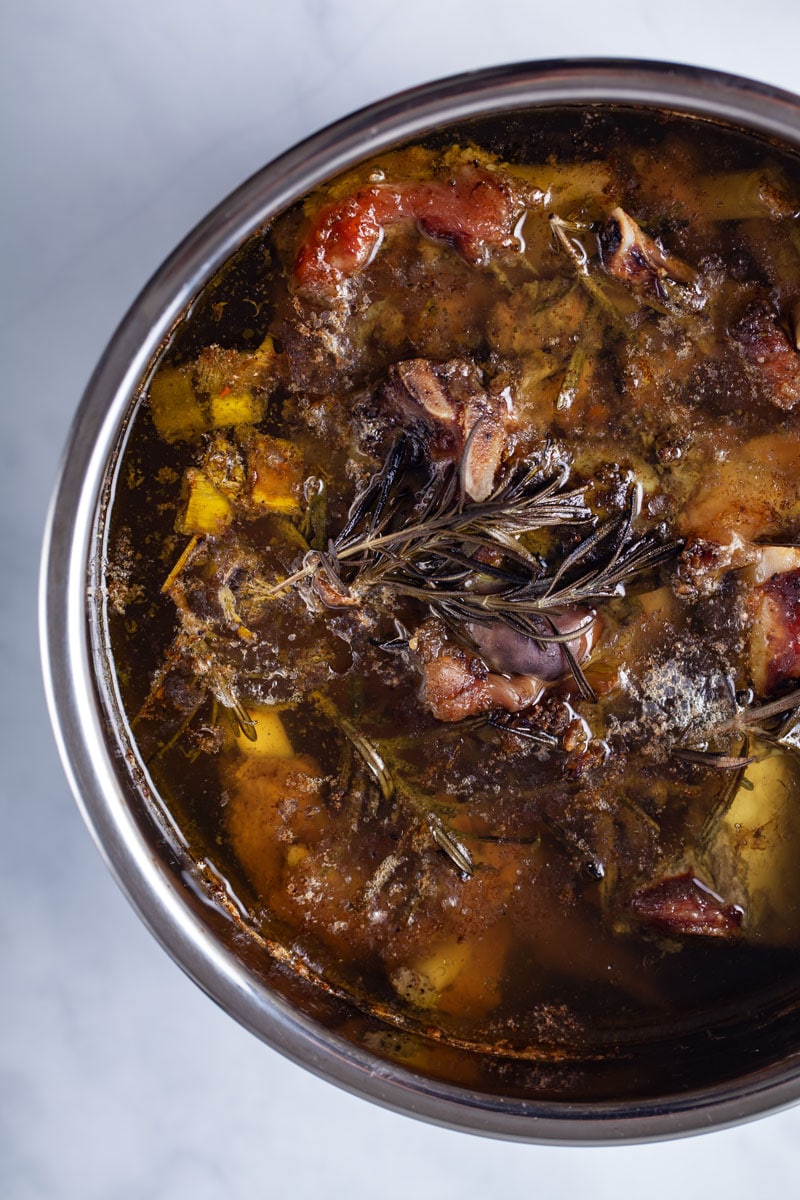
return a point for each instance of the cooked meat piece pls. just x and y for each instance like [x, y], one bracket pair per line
[476, 211]
[774, 604]
[703, 565]
[511, 671]
[504, 649]
[457, 684]
[769, 561]
[750, 490]
[451, 403]
[684, 906]
[766, 348]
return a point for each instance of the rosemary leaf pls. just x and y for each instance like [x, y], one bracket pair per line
[455, 850]
[464, 560]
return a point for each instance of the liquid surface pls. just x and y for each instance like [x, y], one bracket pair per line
[454, 584]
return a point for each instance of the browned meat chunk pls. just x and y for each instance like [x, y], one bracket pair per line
[504, 649]
[703, 564]
[475, 211]
[458, 685]
[511, 672]
[750, 490]
[767, 349]
[775, 608]
[684, 906]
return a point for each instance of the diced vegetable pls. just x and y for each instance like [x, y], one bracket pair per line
[275, 473]
[234, 408]
[271, 740]
[296, 853]
[458, 976]
[421, 982]
[207, 511]
[658, 602]
[174, 406]
[758, 846]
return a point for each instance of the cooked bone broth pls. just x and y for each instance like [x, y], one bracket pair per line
[453, 582]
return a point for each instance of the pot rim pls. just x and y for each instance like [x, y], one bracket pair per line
[71, 547]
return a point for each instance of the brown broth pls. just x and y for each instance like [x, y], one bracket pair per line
[548, 943]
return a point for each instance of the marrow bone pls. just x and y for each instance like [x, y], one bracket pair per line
[631, 256]
[450, 401]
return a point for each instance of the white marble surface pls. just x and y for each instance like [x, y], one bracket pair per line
[123, 125]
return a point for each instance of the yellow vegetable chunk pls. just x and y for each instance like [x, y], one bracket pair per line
[275, 473]
[175, 409]
[271, 740]
[757, 849]
[658, 602]
[207, 511]
[296, 853]
[461, 975]
[274, 810]
[421, 982]
[230, 407]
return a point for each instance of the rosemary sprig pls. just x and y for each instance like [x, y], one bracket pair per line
[787, 706]
[393, 786]
[564, 233]
[465, 560]
[571, 381]
[455, 850]
[715, 759]
[521, 728]
[366, 749]
[392, 524]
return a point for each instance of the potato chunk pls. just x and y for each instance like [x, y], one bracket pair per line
[756, 850]
[174, 406]
[207, 511]
[275, 473]
[460, 977]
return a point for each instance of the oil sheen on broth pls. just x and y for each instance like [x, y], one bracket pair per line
[454, 582]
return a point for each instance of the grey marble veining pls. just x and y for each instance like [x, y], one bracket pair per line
[123, 125]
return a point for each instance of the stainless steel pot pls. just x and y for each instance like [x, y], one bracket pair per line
[756, 1070]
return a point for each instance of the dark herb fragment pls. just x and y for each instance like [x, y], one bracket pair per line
[465, 561]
